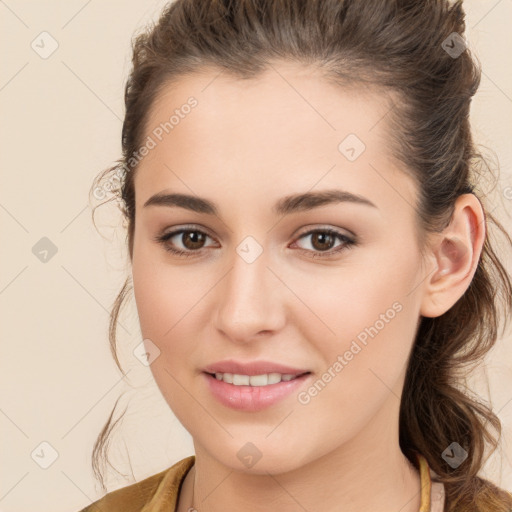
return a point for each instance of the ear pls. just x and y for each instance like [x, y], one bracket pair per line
[454, 254]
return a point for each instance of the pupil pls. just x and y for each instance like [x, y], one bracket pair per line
[317, 236]
[194, 235]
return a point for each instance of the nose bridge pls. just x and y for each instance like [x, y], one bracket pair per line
[247, 302]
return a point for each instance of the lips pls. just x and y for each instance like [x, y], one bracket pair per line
[253, 398]
[252, 368]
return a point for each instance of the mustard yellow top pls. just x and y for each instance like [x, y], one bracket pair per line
[159, 492]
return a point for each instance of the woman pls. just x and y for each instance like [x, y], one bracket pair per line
[310, 258]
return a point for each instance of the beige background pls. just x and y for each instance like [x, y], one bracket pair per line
[61, 125]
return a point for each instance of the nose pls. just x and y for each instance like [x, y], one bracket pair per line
[250, 300]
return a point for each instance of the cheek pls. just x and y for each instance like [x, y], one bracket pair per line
[171, 301]
[364, 364]
[165, 316]
[368, 316]
[164, 298]
[342, 303]
[164, 293]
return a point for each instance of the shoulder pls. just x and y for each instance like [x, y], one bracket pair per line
[496, 499]
[158, 491]
[484, 496]
[491, 498]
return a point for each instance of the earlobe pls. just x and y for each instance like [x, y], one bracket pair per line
[455, 254]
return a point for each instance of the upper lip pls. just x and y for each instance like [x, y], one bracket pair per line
[252, 368]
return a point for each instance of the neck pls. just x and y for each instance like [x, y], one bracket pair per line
[371, 473]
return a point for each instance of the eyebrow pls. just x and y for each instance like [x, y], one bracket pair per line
[284, 206]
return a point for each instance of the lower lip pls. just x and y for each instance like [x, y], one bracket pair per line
[252, 398]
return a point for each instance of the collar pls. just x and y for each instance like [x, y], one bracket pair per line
[432, 493]
[166, 496]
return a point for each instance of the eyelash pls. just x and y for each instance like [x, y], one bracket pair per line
[347, 242]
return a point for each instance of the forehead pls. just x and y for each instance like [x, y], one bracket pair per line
[287, 127]
[288, 100]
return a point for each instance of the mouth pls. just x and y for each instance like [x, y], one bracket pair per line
[261, 380]
[253, 393]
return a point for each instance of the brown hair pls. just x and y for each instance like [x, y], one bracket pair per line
[400, 47]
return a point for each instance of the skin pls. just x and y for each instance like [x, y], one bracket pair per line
[244, 146]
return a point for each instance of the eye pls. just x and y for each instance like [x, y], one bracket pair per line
[193, 242]
[322, 242]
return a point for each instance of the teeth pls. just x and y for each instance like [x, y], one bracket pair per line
[254, 380]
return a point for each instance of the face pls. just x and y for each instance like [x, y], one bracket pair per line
[329, 287]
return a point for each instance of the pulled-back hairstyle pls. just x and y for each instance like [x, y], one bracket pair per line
[398, 47]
